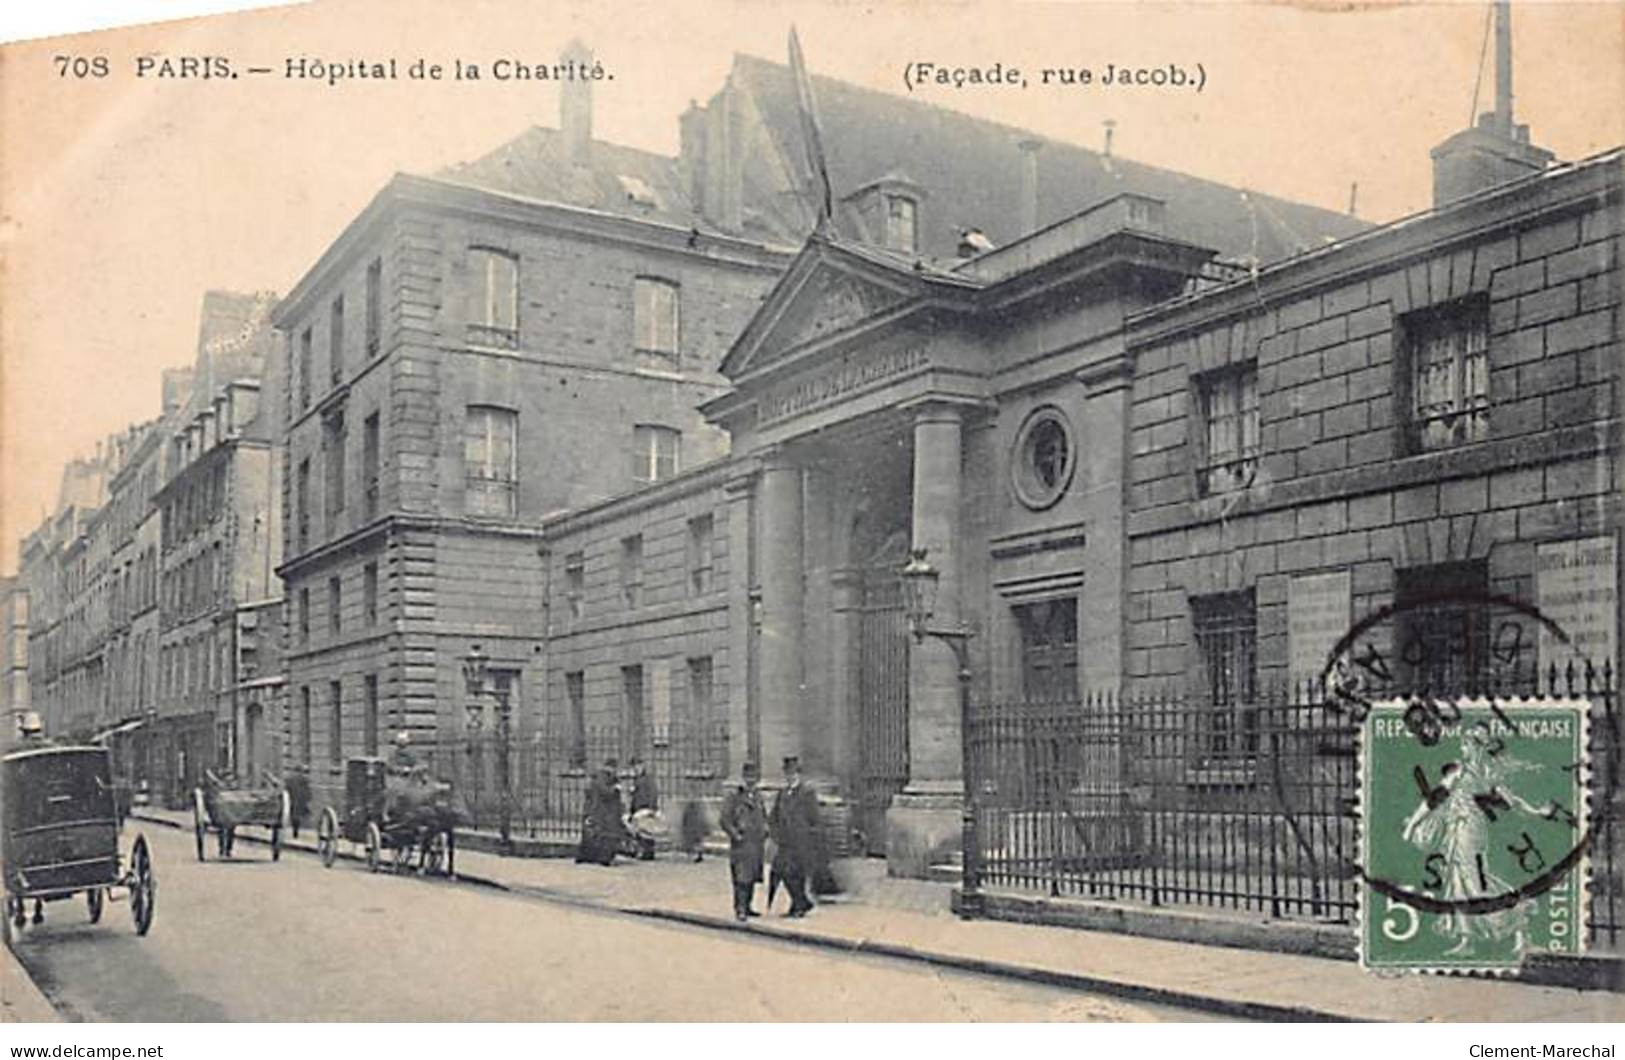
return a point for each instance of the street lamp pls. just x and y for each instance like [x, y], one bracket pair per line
[476, 673]
[920, 584]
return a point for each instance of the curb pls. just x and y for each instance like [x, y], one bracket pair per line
[1248, 1010]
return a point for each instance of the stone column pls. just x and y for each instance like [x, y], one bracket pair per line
[742, 735]
[846, 601]
[779, 534]
[818, 728]
[923, 825]
[933, 683]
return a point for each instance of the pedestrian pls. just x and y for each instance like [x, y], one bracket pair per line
[694, 828]
[745, 821]
[645, 810]
[794, 825]
[602, 827]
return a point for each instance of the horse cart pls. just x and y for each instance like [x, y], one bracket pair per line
[59, 836]
[399, 814]
[220, 807]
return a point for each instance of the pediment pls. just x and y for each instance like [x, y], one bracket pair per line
[825, 292]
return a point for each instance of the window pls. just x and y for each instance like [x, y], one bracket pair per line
[699, 554]
[656, 452]
[575, 697]
[654, 316]
[1448, 352]
[369, 466]
[1444, 634]
[335, 341]
[304, 616]
[488, 453]
[305, 364]
[901, 228]
[333, 464]
[369, 719]
[702, 754]
[1226, 628]
[369, 593]
[335, 723]
[495, 317]
[575, 582]
[374, 316]
[1049, 649]
[632, 719]
[304, 725]
[301, 503]
[335, 604]
[1042, 460]
[1228, 402]
[632, 569]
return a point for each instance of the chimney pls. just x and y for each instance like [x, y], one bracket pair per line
[1110, 126]
[692, 135]
[575, 103]
[1503, 67]
[1029, 185]
[1497, 149]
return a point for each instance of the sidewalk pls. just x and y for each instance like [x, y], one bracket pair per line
[20, 1000]
[911, 919]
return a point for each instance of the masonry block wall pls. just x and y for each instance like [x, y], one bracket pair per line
[643, 582]
[422, 569]
[1341, 480]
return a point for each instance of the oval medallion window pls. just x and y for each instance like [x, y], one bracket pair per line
[1044, 457]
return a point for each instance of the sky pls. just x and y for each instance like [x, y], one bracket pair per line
[124, 198]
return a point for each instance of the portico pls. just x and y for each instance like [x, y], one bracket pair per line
[881, 406]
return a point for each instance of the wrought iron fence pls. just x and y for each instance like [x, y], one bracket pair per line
[1131, 797]
[539, 779]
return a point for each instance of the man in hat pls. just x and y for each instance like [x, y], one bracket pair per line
[602, 827]
[745, 820]
[32, 732]
[794, 824]
[401, 759]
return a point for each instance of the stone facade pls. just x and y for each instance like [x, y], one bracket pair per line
[419, 472]
[1342, 478]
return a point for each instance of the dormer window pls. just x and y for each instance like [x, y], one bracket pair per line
[889, 213]
[901, 222]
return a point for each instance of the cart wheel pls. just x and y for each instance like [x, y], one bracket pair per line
[200, 819]
[327, 836]
[403, 856]
[375, 846]
[143, 886]
[9, 927]
[93, 902]
[434, 852]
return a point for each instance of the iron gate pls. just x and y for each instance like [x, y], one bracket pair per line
[882, 704]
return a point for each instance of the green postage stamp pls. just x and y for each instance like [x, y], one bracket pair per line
[1473, 833]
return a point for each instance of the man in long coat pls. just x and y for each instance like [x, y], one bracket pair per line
[794, 824]
[745, 820]
[602, 828]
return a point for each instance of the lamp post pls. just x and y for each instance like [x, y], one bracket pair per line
[476, 673]
[920, 580]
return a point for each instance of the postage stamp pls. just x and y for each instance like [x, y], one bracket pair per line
[1473, 833]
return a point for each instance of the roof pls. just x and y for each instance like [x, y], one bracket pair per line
[618, 180]
[970, 169]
